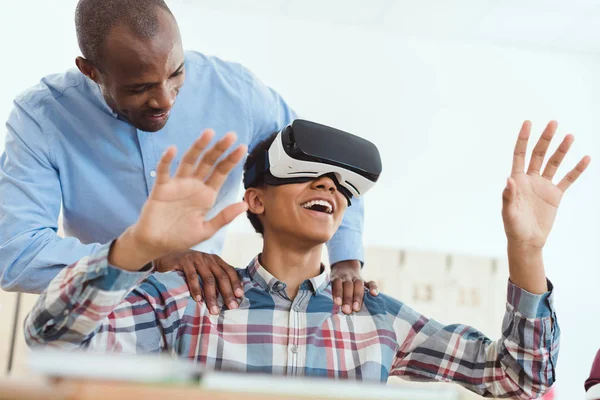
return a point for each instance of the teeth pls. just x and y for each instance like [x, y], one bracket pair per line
[323, 203]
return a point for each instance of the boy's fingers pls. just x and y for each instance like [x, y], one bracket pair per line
[540, 149]
[557, 158]
[210, 157]
[224, 167]
[163, 169]
[225, 217]
[190, 158]
[575, 173]
[521, 148]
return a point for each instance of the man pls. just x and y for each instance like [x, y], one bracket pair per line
[287, 322]
[86, 141]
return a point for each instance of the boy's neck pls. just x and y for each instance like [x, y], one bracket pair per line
[291, 264]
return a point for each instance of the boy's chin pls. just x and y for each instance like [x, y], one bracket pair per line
[318, 238]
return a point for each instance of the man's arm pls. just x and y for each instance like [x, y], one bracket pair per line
[520, 364]
[30, 250]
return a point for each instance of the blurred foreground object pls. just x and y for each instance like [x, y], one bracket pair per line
[84, 375]
[592, 385]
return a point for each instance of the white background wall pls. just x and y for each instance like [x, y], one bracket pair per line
[445, 113]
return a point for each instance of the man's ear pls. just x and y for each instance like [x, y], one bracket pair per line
[253, 197]
[88, 69]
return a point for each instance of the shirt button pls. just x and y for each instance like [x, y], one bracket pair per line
[66, 312]
[296, 307]
[153, 173]
[294, 349]
[278, 286]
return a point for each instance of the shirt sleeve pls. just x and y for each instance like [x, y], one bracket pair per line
[94, 305]
[519, 365]
[269, 113]
[31, 251]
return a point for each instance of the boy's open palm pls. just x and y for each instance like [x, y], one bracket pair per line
[530, 199]
[174, 216]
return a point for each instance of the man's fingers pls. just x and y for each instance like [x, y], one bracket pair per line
[347, 297]
[224, 285]
[521, 148]
[540, 149]
[336, 290]
[359, 294]
[191, 276]
[163, 169]
[225, 217]
[373, 288]
[210, 157]
[572, 176]
[224, 167]
[210, 286]
[234, 278]
[189, 160]
[557, 158]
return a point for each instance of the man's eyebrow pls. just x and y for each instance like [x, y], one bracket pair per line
[139, 85]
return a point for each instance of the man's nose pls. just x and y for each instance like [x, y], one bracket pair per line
[163, 98]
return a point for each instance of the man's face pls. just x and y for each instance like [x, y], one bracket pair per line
[140, 78]
[309, 213]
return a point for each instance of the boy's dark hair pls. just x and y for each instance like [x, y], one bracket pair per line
[257, 156]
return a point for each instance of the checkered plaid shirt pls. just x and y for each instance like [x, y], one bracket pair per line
[94, 305]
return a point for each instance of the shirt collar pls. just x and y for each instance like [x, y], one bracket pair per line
[98, 97]
[271, 284]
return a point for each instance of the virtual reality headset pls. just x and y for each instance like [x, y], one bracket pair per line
[305, 150]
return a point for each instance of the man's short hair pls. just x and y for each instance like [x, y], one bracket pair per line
[257, 156]
[95, 18]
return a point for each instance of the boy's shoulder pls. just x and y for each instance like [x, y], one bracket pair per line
[382, 303]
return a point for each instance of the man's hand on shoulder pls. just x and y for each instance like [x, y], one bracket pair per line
[214, 273]
[348, 286]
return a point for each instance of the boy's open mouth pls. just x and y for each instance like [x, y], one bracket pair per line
[319, 205]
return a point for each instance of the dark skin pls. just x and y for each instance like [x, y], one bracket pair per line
[140, 79]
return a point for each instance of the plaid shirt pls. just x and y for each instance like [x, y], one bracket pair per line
[94, 305]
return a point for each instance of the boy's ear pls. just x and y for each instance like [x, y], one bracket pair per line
[253, 197]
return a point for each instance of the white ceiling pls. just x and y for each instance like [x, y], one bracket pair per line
[566, 25]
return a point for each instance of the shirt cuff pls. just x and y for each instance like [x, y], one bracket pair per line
[346, 245]
[531, 305]
[104, 276]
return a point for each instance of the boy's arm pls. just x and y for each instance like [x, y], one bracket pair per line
[91, 304]
[520, 364]
[87, 304]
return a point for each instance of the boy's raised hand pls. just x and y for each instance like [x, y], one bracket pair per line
[530, 203]
[174, 216]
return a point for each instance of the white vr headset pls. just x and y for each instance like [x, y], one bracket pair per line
[305, 150]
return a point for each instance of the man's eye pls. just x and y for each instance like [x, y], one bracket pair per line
[177, 73]
[138, 90]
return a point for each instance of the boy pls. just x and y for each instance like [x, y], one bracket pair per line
[287, 322]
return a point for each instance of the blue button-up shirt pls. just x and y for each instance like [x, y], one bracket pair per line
[66, 148]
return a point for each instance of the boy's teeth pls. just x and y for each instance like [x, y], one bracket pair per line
[323, 203]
